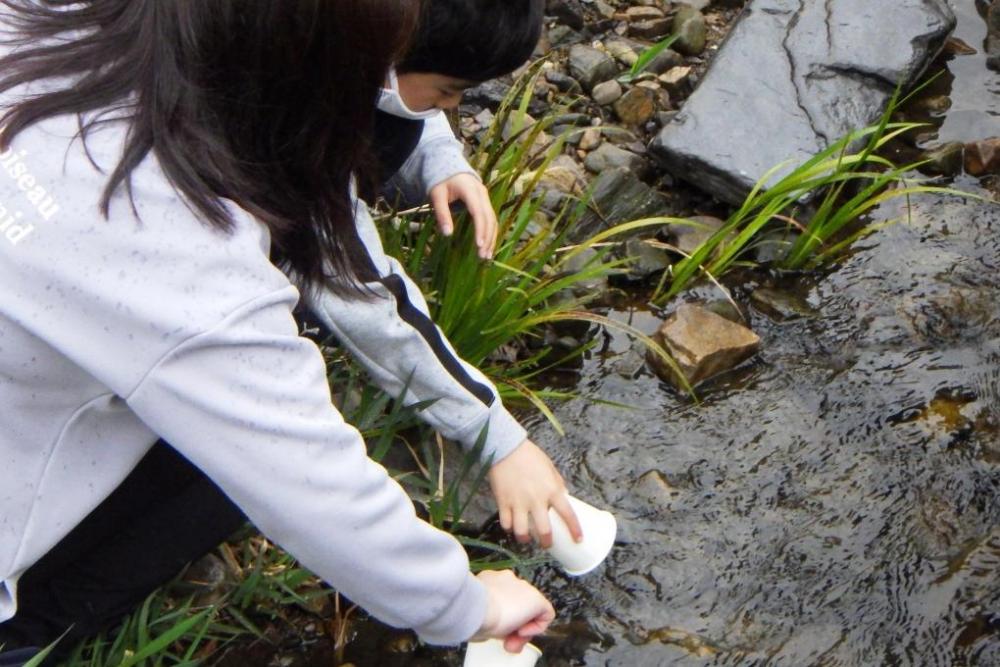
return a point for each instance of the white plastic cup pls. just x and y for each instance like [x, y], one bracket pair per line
[599, 531]
[491, 653]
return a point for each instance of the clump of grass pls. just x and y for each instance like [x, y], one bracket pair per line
[532, 282]
[846, 184]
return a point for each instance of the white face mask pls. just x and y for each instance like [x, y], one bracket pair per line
[390, 101]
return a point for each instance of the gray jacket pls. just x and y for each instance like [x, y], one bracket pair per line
[114, 333]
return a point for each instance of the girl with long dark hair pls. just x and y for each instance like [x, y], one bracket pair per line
[174, 174]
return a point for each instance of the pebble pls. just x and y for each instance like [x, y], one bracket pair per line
[590, 66]
[609, 156]
[651, 29]
[636, 106]
[675, 79]
[607, 92]
[641, 13]
[590, 139]
[689, 23]
[983, 157]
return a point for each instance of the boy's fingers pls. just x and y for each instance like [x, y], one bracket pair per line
[521, 530]
[514, 643]
[440, 202]
[565, 511]
[543, 528]
[506, 522]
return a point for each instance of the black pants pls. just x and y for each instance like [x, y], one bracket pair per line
[165, 514]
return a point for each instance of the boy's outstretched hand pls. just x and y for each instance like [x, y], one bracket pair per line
[515, 612]
[525, 484]
[467, 189]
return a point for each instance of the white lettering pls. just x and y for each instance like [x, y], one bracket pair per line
[11, 162]
[17, 233]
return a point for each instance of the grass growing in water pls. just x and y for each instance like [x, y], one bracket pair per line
[486, 306]
[846, 185]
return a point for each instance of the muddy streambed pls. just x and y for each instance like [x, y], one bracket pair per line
[835, 502]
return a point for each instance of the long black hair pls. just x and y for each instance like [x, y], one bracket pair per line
[268, 103]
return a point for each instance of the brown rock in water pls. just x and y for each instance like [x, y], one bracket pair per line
[636, 106]
[945, 159]
[702, 343]
[983, 157]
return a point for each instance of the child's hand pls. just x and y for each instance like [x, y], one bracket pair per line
[516, 611]
[525, 484]
[467, 189]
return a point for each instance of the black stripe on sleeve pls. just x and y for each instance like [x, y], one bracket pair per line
[423, 324]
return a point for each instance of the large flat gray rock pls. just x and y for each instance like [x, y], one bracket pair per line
[792, 77]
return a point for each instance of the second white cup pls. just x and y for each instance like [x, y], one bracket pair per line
[599, 531]
[491, 653]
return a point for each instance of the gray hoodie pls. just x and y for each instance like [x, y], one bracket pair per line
[116, 332]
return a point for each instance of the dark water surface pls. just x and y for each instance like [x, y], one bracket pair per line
[837, 501]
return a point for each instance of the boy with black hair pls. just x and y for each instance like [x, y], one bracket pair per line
[459, 44]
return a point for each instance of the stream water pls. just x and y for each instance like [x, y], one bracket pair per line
[834, 502]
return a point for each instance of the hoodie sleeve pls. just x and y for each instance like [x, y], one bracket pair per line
[248, 403]
[438, 156]
[393, 336]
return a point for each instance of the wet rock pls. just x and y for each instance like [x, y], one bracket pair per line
[826, 67]
[618, 196]
[781, 305]
[636, 106]
[607, 92]
[609, 156]
[687, 238]
[983, 157]
[590, 66]
[647, 260]
[702, 343]
[689, 24]
[567, 12]
[563, 35]
[945, 159]
[564, 83]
